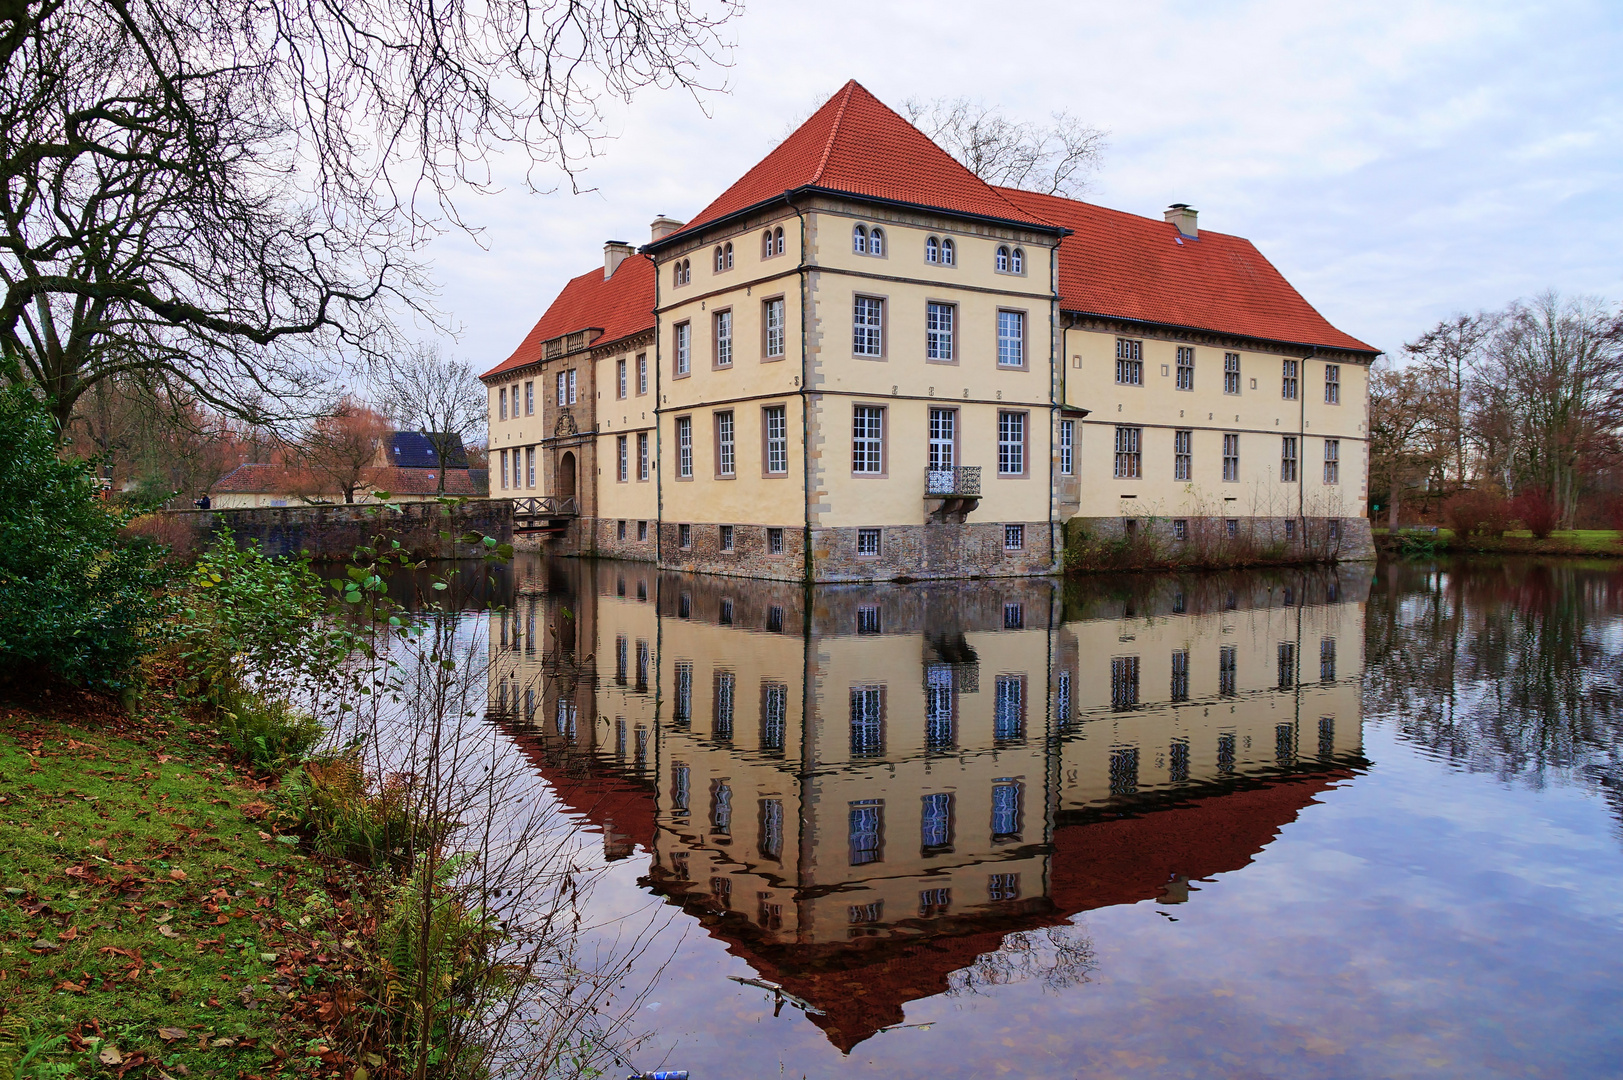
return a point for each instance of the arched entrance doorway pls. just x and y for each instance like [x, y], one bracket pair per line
[566, 476]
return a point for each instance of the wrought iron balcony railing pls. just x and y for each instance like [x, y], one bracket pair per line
[956, 483]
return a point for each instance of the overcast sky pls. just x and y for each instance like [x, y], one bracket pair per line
[1396, 160]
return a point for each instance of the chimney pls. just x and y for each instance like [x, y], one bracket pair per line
[615, 252]
[663, 226]
[1183, 217]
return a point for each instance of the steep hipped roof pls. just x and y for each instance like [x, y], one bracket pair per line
[1129, 267]
[414, 450]
[619, 306]
[856, 145]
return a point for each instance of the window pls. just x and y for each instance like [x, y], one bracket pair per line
[1124, 770]
[1009, 709]
[775, 420]
[1332, 529]
[876, 241]
[1287, 664]
[623, 455]
[1287, 459]
[1180, 530]
[727, 538]
[1232, 528]
[766, 244]
[868, 544]
[772, 242]
[684, 345]
[774, 541]
[642, 374]
[1186, 368]
[1180, 675]
[723, 325]
[1011, 443]
[932, 250]
[1227, 671]
[868, 440]
[868, 326]
[1231, 373]
[726, 445]
[642, 456]
[866, 833]
[1006, 811]
[501, 398]
[772, 320]
[1017, 262]
[563, 390]
[720, 266]
[935, 829]
[1332, 461]
[1231, 458]
[504, 468]
[1003, 260]
[684, 447]
[1067, 439]
[529, 466]
[1327, 659]
[620, 381]
[1332, 384]
[1011, 339]
[1123, 682]
[642, 530]
[571, 386]
[1014, 537]
[867, 721]
[947, 252]
[868, 619]
[943, 425]
[1129, 362]
[774, 715]
[1129, 459]
[1183, 456]
[938, 329]
[682, 272]
[859, 240]
[684, 536]
[1287, 389]
[728, 251]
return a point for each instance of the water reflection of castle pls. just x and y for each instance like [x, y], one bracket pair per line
[862, 789]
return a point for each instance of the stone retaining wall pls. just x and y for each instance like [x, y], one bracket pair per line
[334, 532]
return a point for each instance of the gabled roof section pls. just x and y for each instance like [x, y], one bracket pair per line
[856, 145]
[1130, 267]
[619, 306]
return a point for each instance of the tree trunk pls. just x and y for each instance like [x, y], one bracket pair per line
[1392, 509]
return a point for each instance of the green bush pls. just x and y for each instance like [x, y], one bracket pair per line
[267, 734]
[76, 600]
[332, 804]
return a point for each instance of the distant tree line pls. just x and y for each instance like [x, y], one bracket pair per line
[1521, 403]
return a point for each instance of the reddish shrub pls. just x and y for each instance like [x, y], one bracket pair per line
[1537, 512]
[168, 530]
[1477, 513]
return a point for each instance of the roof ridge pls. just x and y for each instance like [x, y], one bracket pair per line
[833, 130]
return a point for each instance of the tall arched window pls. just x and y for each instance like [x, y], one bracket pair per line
[876, 242]
[859, 240]
[1017, 263]
[946, 252]
[729, 252]
[932, 250]
[777, 239]
[1003, 260]
[766, 244]
[719, 266]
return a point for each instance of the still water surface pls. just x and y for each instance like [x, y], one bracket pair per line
[1344, 823]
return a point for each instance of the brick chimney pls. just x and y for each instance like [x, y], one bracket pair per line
[664, 226]
[1181, 215]
[615, 252]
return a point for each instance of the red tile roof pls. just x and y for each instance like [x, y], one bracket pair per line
[619, 306]
[261, 479]
[857, 145]
[1129, 267]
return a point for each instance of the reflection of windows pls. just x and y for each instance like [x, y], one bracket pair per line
[769, 915]
[867, 721]
[1284, 743]
[774, 619]
[772, 828]
[934, 903]
[721, 807]
[1009, 717]
[564, 720]
[681, 777]
[1227, 671]
[1327, 736]
[1180, 675]
[620, 739]
[1062, 698]
[621, 659]
[1287, 664]
[1002, 887]
[866, 831]
[684, 691]
[774, 716]
[1014, 615]
[1007, 798]
[1123, 682]
[642, 665]
[1225, 752]
[1327, 660]
[935, 830]
[939, 734]
[722, 724]
[726, 614]
[1178, 761]
[721, 892]
[1124, 770]
[865, 914]
[679, 865]
[868, 617]
[641, 744]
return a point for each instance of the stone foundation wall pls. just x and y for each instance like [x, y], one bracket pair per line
[934, 550]
[749, 557]
[600, 537]
[1291, 538]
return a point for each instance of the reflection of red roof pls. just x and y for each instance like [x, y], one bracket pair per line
[588, 787]
[619, 306]
[856, 145]
[1129, 267]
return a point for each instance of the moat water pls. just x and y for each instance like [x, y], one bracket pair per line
[1364, 821]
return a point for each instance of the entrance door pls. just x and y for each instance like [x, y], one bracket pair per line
[566, 476]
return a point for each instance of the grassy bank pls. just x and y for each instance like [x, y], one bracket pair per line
[1584, 543]
[149, 923]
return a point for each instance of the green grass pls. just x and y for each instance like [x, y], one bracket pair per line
[1562, 541]
[141, 904]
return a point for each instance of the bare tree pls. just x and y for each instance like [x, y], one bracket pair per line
[439, 396]
[1055, 159]
[1454, 352]
[341, 446]
[1404, 446]
[233, 194]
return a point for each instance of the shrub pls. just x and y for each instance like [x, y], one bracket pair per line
[331, 802]
[1477, 513]
[76, 600]
[168, 531]
[1537, 512]
[267, 734]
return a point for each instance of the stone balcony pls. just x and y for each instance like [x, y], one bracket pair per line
[950, 495]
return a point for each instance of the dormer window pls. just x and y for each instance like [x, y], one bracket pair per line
[932, 250]
[946, 252]
[859, 240]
